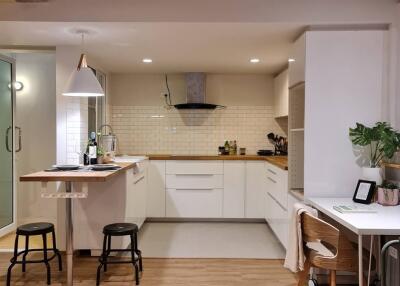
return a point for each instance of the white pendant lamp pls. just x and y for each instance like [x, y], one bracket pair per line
[82, 81]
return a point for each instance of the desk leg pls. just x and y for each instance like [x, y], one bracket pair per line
[69, 234]
[360, 260]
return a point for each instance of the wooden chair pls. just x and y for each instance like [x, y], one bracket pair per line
[343, 256]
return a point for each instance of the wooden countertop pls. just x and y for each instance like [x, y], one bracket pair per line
[74, 176]
[279, 161]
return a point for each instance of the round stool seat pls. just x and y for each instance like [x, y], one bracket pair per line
[120, 229]
[35, 228]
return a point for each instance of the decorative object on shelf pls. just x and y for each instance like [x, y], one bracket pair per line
[377, 143]
[388, 194]
[242, 151]
[83, 81]
[364, 192]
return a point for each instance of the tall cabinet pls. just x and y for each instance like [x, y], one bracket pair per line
[336, 80]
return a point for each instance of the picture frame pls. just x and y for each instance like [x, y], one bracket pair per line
[364, 192]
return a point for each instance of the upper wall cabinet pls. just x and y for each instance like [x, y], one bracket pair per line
[297, 67]
[281, 94]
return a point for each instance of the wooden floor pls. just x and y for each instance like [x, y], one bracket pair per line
[161, 272]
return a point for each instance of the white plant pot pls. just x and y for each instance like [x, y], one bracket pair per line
[373, 174]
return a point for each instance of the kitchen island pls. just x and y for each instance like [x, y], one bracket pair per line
[100, 197]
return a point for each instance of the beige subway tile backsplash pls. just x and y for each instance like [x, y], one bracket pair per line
[157, 130]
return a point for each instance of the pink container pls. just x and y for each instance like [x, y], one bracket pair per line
[388, 197]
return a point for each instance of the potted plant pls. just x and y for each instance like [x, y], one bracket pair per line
[379, 142]
[388, 194]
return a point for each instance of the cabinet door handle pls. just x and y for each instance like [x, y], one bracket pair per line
[272, 172]
[276, 201]
[205, 175]
[138, 180]
[194, 189]
[7, 140]
[272, 180]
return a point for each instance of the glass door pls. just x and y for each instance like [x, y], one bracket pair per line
[7, 195]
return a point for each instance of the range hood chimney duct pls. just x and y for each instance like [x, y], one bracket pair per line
[196, 93]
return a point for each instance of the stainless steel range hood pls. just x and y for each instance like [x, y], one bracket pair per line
[196, 93]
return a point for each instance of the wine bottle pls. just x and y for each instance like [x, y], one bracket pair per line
[92, 149]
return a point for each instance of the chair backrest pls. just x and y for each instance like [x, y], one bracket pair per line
[317, 230]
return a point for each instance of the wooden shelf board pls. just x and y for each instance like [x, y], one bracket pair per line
[392, 165]
[297, 130]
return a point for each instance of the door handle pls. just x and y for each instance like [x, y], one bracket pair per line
[7, 140]
[19, 138]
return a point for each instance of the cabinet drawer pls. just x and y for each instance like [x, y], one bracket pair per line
[194, 167]
[277, 183]
[197, 181]
[277, 218]
[194, 203]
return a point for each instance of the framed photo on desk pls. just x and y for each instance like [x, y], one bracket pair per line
[364, 192]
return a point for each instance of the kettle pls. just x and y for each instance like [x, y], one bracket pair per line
[108, 142]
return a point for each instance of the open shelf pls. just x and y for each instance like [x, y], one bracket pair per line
[297, 130]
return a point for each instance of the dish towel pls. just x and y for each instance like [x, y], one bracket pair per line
[295, 254]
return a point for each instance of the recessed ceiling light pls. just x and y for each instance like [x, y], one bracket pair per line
[147, 61]
[254, 60]
[290, 60]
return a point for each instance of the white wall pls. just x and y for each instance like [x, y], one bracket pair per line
[223, 89]
[36, 115]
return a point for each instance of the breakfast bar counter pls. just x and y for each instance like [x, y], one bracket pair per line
[75, 176]
[100, 197]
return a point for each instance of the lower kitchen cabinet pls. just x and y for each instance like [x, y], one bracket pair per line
[234, 189]
[277, 217]
[255, 189]
[194, 203]
[155, 205]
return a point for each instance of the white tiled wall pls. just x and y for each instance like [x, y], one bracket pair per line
[77, 128]
[156, 130]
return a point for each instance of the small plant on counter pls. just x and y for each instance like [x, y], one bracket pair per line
[388, 194]
[382, 140]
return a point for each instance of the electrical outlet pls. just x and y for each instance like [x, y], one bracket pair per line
[393, 252]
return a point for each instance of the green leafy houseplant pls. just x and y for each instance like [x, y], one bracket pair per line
[382, 140]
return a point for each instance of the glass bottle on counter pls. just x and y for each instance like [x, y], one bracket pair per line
[90, 156]
[227, 147]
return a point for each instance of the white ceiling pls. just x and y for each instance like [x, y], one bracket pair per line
[174, 47]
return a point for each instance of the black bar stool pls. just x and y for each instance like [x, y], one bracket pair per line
[27, 230]
[120, 229]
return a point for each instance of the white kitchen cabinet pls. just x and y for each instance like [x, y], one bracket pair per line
[281, 94]
[156, 184]
[205, 181]
[136, 195]
[234, 189]
[277, 217]
[255, 189]
[277, 183]
[192, 167]
[194, 203]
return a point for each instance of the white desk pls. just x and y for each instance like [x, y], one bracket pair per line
[384, 222]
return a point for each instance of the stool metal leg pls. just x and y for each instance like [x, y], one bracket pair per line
[13, 260]
[102, 257]
[139, 253]
[56, 251]
[134, 260]
[26, 253]
[46, 262]
[107, 253]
